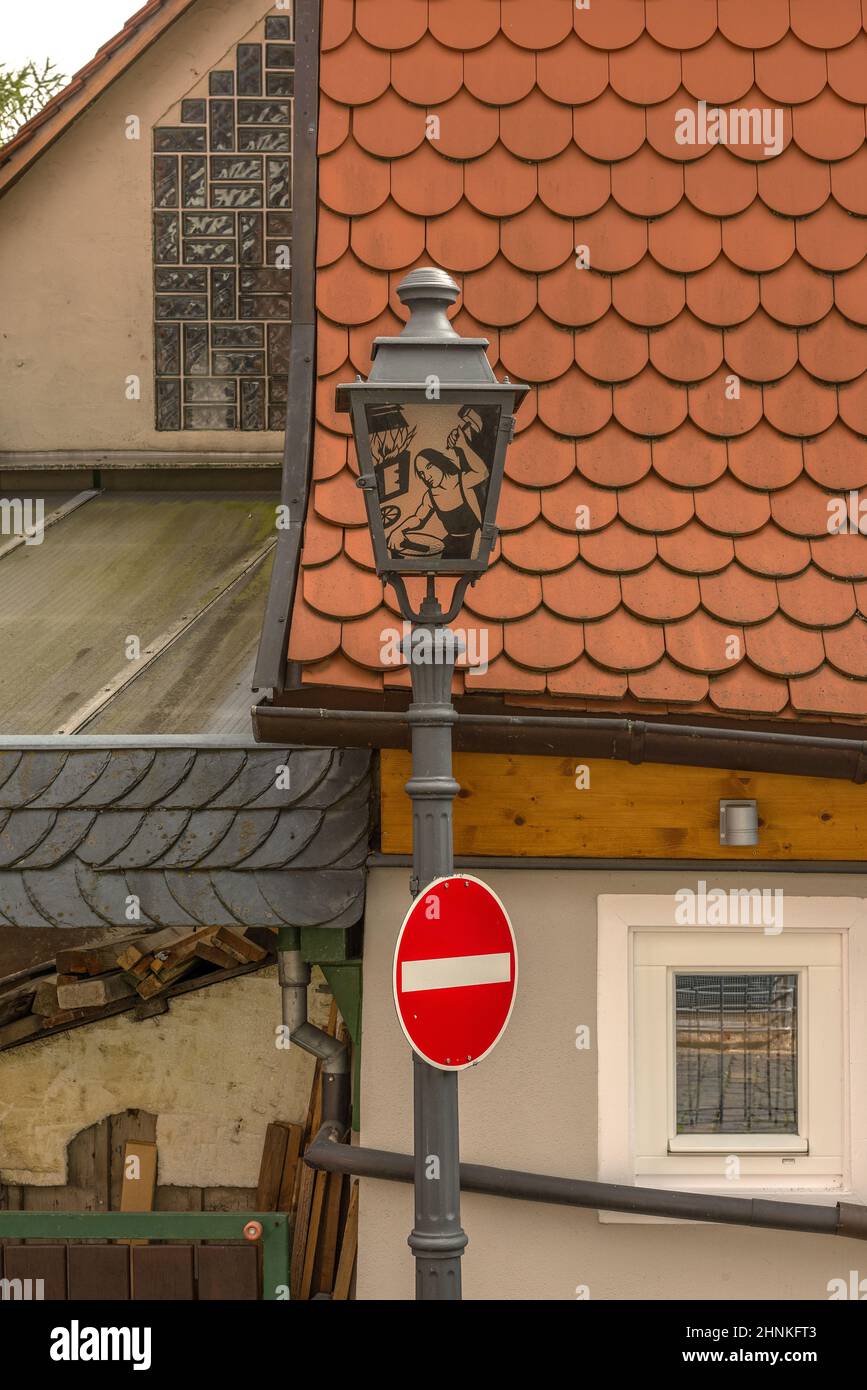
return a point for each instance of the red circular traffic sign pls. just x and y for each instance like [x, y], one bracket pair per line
[455, 972]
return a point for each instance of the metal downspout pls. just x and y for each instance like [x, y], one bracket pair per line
[294, 975]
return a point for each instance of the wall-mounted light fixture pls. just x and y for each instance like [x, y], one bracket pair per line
[738, 823]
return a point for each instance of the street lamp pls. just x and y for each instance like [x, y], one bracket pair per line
[431, 427]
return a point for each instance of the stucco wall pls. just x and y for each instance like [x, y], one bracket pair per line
[209, 1070]
[76, 278]
[532, 1105]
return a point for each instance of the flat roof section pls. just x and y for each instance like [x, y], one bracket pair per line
[183, 572]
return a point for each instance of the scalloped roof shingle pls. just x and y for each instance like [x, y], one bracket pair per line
[708, 515]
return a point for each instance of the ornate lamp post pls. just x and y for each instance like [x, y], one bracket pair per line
[431, 426]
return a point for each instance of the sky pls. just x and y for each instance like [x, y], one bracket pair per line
[67, 31]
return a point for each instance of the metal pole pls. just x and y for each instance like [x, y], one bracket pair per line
[437, 1240]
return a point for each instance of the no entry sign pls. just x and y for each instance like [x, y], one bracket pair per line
[455, 972]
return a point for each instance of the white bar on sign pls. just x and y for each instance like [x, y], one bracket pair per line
[453, 972]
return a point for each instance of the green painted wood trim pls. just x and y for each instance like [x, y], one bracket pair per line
[163, 1225]
[324, 944]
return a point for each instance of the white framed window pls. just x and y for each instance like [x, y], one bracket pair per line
[730, 1059]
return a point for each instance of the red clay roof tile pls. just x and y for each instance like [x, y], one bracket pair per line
[827, 692]
[760, 349]
[694, 550]
[751, 25]
[701, 643]
[800, 405]
[334, 121]
[427, 73]
[757, 240]
[332, 236]
[537, 348]
[660, 594]
[781, 648]
[830, 26]
[389, 126]
[736, 596]
[828, 127]
[668, 684]
[611, 349]
[796, 294]
[543, 642]
[843, 556]
[719, 72]
[538, 458]
[793, 184]
[853, 405]
[609, 127]
[814, 599]
[649, 404]
[831, 239]
[722, 294]
[312, 637]
[837, 459]
[467, 129]
[847, 70]
[499, 73]
[716, 411]
[351, 181]
[463, 239]
[850, 293]
[834, 350]
[687, 351]
[772, 552]
[561, 504]
[370, 641]
[655, 506]
[461, 26]
[790, 71]
[647, 185]
[540, 549]
[574, 404]
[581, 593]
[647, 295]
[689, 457]
[680, 24]
[719, 184]
[849, 182]
[350, 292]
[621, 642]
[573, 72]
[765, 459]
[587, 679]
[748, 691]
[573, 184]
[645, 72]
[535, 127]
[683, 241]
[341, 589]
[846, 648]
[613, 457]
[388, 238]
[355, 72]
[392, 24]
[336, 24]
[618, 549]
[729, 508]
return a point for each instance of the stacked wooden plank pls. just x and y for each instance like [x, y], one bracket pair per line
[323, 1206]
[85, 981]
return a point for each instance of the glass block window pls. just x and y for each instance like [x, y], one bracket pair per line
[222, 239]
[736, 1054]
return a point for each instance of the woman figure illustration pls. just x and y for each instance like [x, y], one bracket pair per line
[450, 495]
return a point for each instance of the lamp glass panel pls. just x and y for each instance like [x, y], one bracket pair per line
[736, 1054]
[432, 462]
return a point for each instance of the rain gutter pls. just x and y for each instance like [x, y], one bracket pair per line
[842, 1219]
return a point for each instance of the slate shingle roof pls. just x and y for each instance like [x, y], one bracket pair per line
[708, 516]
